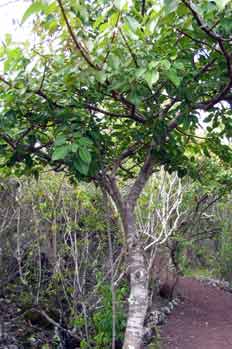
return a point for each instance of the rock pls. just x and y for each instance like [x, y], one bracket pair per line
[171, 306]
[176, 302]
[157, 317]
[166, 310]
[147, 335]
[222, 284]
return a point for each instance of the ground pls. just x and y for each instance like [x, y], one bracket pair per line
[202, 321]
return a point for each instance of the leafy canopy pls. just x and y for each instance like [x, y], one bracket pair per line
[103, 82]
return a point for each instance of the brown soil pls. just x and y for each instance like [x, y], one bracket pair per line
[202, 321]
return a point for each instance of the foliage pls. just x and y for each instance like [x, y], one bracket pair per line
[223, 257]
[58, 261]
[116, 90]
[102, 318]
[110, 67]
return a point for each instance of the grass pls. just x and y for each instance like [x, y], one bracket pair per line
[199, 273]
[156, 342]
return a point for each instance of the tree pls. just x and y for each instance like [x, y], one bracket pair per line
[108, 92]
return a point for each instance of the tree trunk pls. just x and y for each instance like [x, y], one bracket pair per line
[138, 299]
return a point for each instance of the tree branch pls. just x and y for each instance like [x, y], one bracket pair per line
[149, 164]
[129, 106]
[134, 117]
[220, 40]
[129, 49]
[143, 7]
[78, 44]
[209, 31]
[125, 154]
[142, 178]
[8, 140]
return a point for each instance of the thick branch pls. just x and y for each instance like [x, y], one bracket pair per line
[124, 155]
[108, 183]
[149, 164]
[142, 178]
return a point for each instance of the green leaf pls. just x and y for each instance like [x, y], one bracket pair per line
[60, 152]
[85, 141]
[170, 5]
[114, 61]
[81, 166]
[113, 19]
[153, 64]
[221, 4]
[60, 140]
[8, 39]
[34, 8]
[75, 148]
[140, 72]
[165, 64]
[179, 65]
[152, 77]
[133, 23]
[100, 76]
[85, 155]
[173, 77]
[122, 4]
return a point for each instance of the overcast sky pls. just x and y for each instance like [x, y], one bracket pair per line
[11, 12]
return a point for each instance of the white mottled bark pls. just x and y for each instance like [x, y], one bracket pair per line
[138, 299]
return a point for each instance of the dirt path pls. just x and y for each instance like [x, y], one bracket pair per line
[203, 321]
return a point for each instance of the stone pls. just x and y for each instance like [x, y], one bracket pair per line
[171, 306]
[166, 310]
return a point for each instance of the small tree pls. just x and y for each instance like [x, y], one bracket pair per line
[108, 92]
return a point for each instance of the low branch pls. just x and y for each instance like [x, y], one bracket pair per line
[108, 183]
[54, 323]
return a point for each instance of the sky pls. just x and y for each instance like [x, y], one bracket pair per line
[11, 12]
